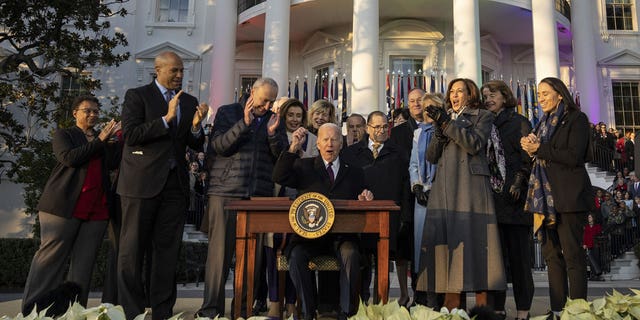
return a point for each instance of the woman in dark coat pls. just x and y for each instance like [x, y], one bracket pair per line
[560, 193]
[461, 246]
[73, 209]
[514, 224]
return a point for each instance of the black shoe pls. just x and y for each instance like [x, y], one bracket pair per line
[259, 307]
[552, 316]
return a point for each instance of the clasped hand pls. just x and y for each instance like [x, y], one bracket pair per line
[530, 144]
[297, 139]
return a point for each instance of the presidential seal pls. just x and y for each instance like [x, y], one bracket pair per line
[311, 215]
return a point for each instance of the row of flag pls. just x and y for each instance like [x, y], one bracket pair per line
[526, 95]
[398, 86]
[327, 89]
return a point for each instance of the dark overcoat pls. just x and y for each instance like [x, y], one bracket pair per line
[511, 127]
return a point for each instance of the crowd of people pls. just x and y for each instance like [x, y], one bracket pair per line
[473, 179]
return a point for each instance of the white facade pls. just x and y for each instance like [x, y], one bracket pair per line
[359, 40]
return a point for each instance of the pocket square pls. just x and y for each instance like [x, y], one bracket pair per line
[139, 152]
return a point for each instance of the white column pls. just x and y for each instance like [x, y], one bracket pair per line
[224, 52]
[466, 40]
[365, 81]
[584, 58]
[275, 57]
[545, 39]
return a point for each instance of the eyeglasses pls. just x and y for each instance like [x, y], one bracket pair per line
[90, 111]
[383, 127]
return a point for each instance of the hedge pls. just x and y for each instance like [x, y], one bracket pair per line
[16, 255]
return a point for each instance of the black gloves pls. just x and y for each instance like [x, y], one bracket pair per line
[516, 188]
[439, 115]
[422, 196]
[439, 134]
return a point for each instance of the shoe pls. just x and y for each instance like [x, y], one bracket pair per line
[502, 315]
[205, 314]
[259, 307]
[405, 302]
[552, 316]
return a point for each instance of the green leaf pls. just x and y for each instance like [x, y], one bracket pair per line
[424, 313]
[577, 306]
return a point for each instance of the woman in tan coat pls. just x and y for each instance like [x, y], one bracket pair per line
[461, 247]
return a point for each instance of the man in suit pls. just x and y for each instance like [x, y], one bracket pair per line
[159, 121]
[356, 126]
[402, 135]
[387, 177]
[336, 179]
[246, 142]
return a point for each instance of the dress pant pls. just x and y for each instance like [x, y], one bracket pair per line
[516, 248]
[221, 230]
[304, 279]
[155, 223]
[563, 253]
[63, 238]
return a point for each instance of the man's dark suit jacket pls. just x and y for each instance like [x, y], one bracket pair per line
[310, 175]
[402, 136]
[149, 144]
[73, 152]
[387, 177]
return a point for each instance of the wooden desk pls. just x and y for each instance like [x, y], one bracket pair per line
[262, 216]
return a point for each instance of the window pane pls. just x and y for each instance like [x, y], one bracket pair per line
[626, 104]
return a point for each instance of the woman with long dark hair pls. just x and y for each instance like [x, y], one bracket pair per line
[560, 193]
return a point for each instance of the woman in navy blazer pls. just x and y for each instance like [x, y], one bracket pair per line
[560, 193]
[73, 208]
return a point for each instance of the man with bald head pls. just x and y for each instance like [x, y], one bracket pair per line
[245, 143]
[329, 175]
[159, 121]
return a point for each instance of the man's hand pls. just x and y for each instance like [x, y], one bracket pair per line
[248, 111]
[439, 115]
[272, 125]
[172, 112]
[297, 139]
[366, 195]
[201, 113]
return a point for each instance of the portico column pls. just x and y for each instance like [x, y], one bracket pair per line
[466, 40]
[545, 39]
[224, 51]
[584, 58]
[365, 81]
[275, 57]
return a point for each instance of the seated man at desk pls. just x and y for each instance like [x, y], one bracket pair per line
[327, 175]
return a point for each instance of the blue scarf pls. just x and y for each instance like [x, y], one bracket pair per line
[539, 198]
[427, 169]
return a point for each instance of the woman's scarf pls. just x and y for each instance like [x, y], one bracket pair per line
[427, 169]
[539, 198]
